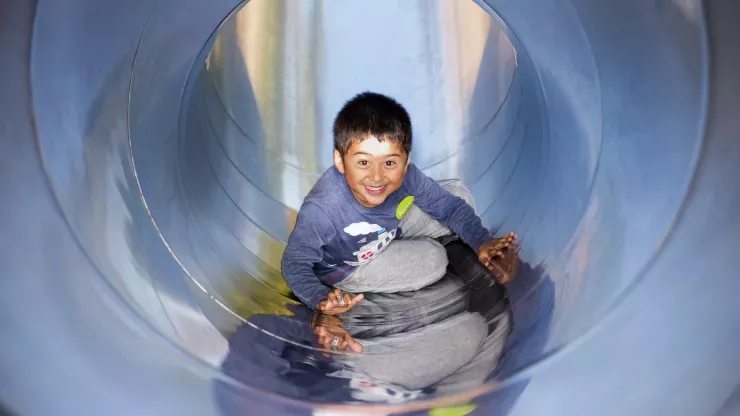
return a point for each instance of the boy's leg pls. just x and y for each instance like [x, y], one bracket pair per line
[413, 262]
[404, 265]
[418, 224]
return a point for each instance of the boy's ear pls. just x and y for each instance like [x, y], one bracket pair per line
[338, 162]
[408, 162]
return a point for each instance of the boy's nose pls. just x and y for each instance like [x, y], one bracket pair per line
[377, 174]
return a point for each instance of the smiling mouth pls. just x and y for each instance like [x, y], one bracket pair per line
[375, 190]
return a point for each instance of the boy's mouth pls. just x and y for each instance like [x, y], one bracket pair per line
[375, 190]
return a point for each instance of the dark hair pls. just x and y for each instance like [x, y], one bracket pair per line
[372, 114]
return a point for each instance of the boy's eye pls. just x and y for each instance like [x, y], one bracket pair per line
[363, 163]
[390, 163]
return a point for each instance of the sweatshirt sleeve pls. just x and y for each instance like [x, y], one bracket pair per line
[313, 230]
[450, 210]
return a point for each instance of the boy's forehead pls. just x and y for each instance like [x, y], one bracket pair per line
[374, 147]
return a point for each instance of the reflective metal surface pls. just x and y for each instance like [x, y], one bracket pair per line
[610, 147]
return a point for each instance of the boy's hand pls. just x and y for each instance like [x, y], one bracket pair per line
[339, 302]
[496, 251]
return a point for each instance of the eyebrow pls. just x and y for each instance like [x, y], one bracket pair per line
[368, 154]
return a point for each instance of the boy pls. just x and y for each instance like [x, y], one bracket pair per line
[348, 230]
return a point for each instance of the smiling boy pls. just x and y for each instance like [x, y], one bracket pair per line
[371, 222]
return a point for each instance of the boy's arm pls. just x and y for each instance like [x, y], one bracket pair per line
[313, 230]
[451, 211]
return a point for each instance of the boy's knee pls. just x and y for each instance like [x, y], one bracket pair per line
[436, 256]
[457, 187]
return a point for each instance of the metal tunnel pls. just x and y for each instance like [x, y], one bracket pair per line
[153, 155]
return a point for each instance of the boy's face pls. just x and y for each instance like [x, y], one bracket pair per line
[373, 169]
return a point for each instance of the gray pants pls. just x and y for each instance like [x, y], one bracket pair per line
[412, 262]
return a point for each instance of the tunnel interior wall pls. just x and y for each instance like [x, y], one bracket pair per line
[656, 162]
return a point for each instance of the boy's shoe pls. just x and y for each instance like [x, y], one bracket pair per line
[445, 240]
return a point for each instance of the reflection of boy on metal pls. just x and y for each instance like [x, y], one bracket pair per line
[452, 351]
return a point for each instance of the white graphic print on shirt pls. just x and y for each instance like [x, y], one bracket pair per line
[374, 247]
[360, 228]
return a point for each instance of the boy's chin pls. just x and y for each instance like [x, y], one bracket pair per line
[373, 201]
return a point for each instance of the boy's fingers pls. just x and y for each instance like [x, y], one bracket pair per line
[509, 238]
[332, 302]
[357, 298]
[355, 346]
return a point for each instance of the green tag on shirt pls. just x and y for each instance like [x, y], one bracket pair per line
[404, 206]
